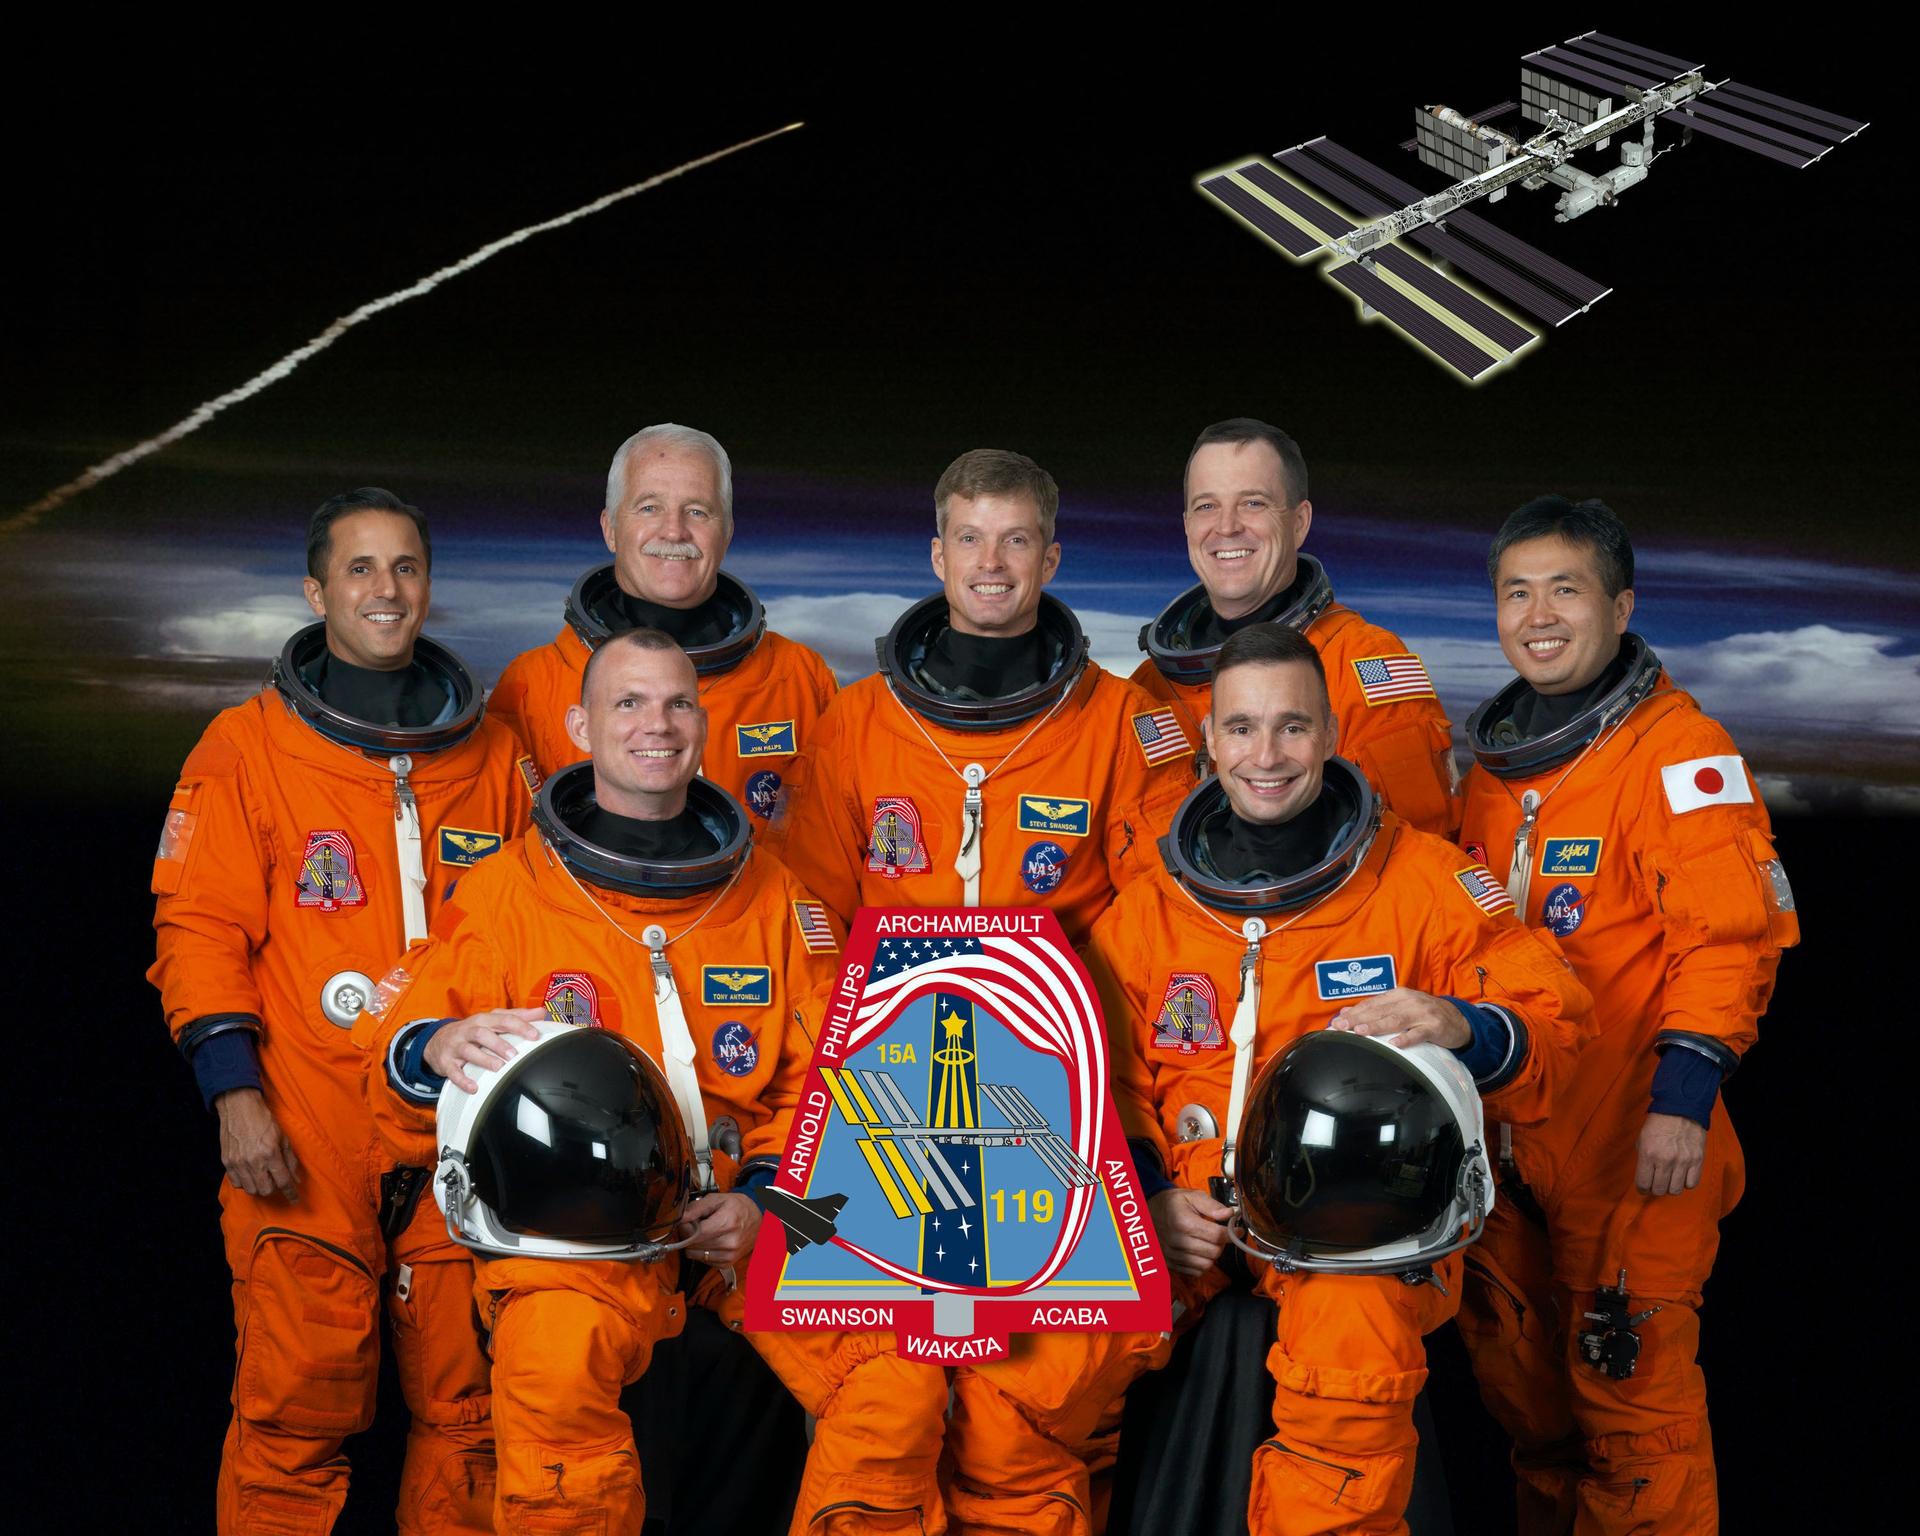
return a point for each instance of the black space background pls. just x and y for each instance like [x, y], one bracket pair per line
[1004, 250]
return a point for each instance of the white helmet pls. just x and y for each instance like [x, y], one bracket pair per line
[575, 1149]
[1359, 1157]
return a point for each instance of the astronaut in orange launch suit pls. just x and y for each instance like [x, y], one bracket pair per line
[314, 830]
[1246, 515]
[1290, 893]
[991, 763]
[1631, 829]
[668, 522]
[637, 904]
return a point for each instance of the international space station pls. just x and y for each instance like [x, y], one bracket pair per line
[872, 1103]
[1583, 93]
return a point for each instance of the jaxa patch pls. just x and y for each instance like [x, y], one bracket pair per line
[572, 998]
[1360, 977]
[458, 845]
[1564, 909]
[810, 917]
[736, 986]
[329, 877]
[529, 776]
[1189, 1018]
[1570, 856]
[771, 738]
[763, 794]
[896, 846]
[735, 1050]
[1042, 867]
[1062, 817]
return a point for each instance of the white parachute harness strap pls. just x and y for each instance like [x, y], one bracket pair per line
[406, 842]
[973, 816]
[1246, 1020]
[1246, 1013]
[676, 1040]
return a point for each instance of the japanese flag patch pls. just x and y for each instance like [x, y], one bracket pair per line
[1706, 781]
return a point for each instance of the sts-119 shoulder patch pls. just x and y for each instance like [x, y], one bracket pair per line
[1189, 1018]
[572, 998]
[329, 878]
[1161, 735]
[1485, 892]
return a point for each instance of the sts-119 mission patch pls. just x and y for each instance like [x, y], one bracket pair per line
[956, 1171]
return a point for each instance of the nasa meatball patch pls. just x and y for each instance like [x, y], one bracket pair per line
[735, 1050]
[1042, 866]
[1361, 976]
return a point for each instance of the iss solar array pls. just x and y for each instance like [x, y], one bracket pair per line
[1583, 93]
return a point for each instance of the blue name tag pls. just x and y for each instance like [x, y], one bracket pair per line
[460, 846]
[1359, 977]
[1570, 856]
[1063, 817]
[736, 986]
[771, 738]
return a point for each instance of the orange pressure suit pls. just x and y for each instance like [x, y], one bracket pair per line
[1348, 1360]
[280, 896]
[762, 692]
[752, 964]
[1391, 723]
[1648, 853]
[1069, 807]
[1070, 804]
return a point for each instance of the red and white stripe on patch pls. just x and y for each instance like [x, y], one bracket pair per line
[1161, 735]
[1485, 892]
[815, 931]
[1386, 678]
[1706, 781]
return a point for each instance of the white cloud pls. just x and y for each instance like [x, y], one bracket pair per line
[1812, 677]
[255, 626]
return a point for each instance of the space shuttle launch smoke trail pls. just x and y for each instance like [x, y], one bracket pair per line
[204, 413]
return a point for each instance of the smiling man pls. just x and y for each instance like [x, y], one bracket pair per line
[991, 763]
[1291, 900]
[1631, 829]
[668, 522]
[639, 904]
[1247, 514]
[314, 832]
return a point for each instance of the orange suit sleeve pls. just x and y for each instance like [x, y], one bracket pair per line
[1722, 898]
[509, 701]
[211, 876]
[824, 841]
[1498, 962]
[453, 973]
[1115, 974]
[809, 983]
[1147, 795]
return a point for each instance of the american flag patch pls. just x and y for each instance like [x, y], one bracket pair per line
[1386, 678]
[1161, 735]
[1485, 892]
[815, 931]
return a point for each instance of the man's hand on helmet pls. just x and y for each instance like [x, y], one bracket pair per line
[724, 1227]
[258, 1157]
[484, 1041]
[1192, 1228]
[1406, 1018]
